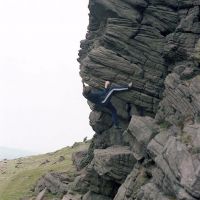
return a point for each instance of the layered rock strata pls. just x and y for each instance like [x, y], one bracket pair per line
[156, 155]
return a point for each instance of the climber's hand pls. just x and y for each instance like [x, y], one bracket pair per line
[83, 83]
[107, 84]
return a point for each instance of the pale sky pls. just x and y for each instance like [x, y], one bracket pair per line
[41, 105]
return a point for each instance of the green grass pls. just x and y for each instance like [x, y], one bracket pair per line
[16, 180]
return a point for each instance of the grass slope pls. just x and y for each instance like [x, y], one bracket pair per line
[18, 176]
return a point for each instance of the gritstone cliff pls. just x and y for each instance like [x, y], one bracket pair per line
[156, 45]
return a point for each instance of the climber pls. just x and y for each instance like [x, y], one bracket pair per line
[103, 96]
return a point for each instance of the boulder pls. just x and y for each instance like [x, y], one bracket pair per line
[150, 191]
[157, 144]
[180, 169]
[94, 196]
[80, 184]
[54, 182]
[139, 133]
[40, 196]
[78, 159]
[100, 121]
[90, 180]
[191, 137]
[71, 197]
[114, 163]
[137, 178]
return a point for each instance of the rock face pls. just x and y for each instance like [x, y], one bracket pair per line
[156, 155]
[139, 133]
[78, 159]
[156, 45]
[56, 183]
[115, 163]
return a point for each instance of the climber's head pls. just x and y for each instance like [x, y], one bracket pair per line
[86, 91]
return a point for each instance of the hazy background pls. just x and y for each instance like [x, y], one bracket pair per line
[41, 106]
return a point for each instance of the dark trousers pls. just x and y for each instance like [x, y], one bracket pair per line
[108, 92]
[113, 112]
[106, 101]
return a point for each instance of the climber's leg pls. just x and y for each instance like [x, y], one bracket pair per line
[114, 89]
[115, 119]
[128, 109]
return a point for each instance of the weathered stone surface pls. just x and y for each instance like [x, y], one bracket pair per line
[94, 196]
[163, 18]
[80, 184]
[155, 44]
[71, 197]
[139, 133]
[114, 163]
[191, 136]
[90, 180]
[137, 3]
[119, 8]
[124, 50]
[78, 159]
[99, 185]
[190, 23]
[110, 59]
[181, 100]
[40, 196]
[156, 146]
[100, 121]
[150, 191]
[108, 138]
[56, 183]
[179, 168]
[128, 190]
[176, 3]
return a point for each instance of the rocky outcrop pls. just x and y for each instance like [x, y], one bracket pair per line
[139, 133]
[54, 182]
[114, 163]
[71, 197]
[78, 159]
[134, 181]
[150, 191]
[181, 99]
[40, 196]
[156, 45]
[92, 195]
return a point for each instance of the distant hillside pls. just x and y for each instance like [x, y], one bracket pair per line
[12, 153]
